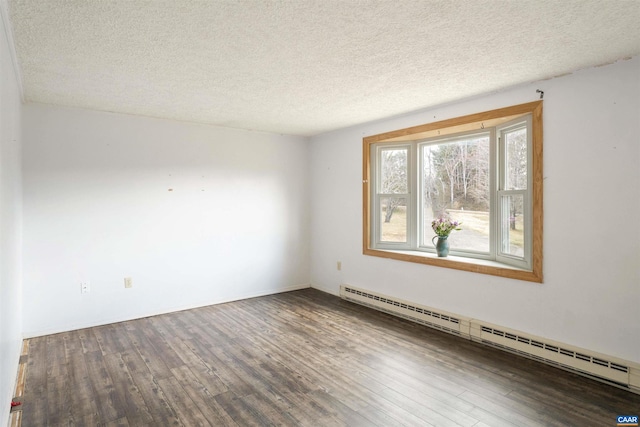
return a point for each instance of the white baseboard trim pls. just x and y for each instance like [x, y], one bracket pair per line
[108, 321]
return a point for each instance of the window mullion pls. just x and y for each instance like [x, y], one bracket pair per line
[494, 171]
[413, 212]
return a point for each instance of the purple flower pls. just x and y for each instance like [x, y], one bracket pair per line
[443, 226]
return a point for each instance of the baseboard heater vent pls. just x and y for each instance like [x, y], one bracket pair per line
[554, 353]
[605, 368]
[416, 313]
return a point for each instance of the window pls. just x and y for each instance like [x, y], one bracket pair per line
[484, 170]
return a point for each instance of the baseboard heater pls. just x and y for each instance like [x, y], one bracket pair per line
[618, 372]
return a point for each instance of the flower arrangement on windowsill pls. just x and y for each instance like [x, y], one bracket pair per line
[443, 227]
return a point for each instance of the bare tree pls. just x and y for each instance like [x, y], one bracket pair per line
[393, 179]
[516, 170]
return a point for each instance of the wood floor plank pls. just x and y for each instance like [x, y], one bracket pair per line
[146, 384]
[160, 345]
[71, 342]
[214, 366]
[110, 404]
[58, 400]
[121, 422]
[56, 357]
[88, 340]
[83, 403]
[176, 336]
[521, 416]
[394, 412]
[35, 411]
[377, 416]
[186, 409]
[551, 415]
[494, 420]
[341, 412]
[131, 400]
[148, 353]
[239, 410]
[299, 407]
[301, 358]
[270, 414]
[111, 338]
[202, 396]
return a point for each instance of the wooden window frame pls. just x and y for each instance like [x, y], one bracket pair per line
[456, 125]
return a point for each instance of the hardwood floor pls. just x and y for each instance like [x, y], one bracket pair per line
[299, 358]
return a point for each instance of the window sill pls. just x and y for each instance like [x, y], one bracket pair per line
[473, 265]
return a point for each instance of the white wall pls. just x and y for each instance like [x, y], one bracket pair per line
[98, 207]
[10, 227]
[591, 291]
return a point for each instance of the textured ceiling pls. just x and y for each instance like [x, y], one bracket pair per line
[304, 66]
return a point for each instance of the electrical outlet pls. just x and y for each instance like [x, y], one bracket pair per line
[128, 282]
[85, 287]
[339, 265]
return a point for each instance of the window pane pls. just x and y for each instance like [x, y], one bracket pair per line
[516, 160]
[393, 219]
[512, 225]
[393, 171]
[455, 184]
